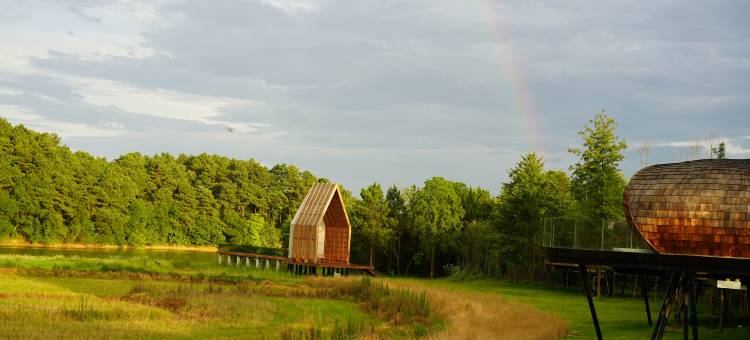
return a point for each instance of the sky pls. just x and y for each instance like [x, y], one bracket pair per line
[381, 91]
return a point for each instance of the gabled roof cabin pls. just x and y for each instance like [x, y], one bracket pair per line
[320, 231]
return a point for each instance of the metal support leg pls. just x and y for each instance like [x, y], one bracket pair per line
[644, 290]
[661, 321]
[587, 288]
[693, 309]
[684, 309]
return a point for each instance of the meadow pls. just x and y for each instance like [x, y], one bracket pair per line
[43, 296]
[140, 297]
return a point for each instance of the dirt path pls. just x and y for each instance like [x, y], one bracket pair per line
[486, 316]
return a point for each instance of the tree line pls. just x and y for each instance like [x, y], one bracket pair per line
[447, 227]
[50, 194]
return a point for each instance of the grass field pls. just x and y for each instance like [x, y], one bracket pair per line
[139, 297]
[74, 297]
[619, 317]
[53, 307]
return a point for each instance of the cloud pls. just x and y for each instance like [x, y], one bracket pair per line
[385, 90]
[734, 146]
[81, 13]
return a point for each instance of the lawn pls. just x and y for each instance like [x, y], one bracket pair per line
[619, 317]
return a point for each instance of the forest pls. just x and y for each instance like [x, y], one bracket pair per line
[50, 194]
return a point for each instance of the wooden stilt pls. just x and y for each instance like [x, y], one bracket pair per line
[587, 288]
[220, 260]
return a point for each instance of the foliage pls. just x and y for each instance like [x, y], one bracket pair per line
[50, 194]
[531, 195]
[720, 151]
[371, 219]
[597, 182]
[436, 212]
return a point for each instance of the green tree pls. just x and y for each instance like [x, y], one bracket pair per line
[597, 182]
[436, 213]
[525, 200]
[372, 218]
[720, 151]
[398, 214]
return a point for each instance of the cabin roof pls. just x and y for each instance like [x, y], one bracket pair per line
[316, 203]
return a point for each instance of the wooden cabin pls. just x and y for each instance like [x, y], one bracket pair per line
[320, 231]
[698, 207]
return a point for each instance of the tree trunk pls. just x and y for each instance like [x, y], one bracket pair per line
[371, 251]
[398, 256]
[432, 265]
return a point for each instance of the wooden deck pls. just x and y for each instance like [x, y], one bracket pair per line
[298, 267]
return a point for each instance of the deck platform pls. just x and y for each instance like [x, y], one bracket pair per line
[298, 267]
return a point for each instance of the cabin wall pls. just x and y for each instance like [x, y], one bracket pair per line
[320, 230]
[304, 243]
[337, 233]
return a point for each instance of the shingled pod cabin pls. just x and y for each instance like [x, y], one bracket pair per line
[320, 231]
[693, 208]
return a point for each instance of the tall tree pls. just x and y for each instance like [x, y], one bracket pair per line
[598, 182]
[397, 213]
[436, 213]
[720, 151]
[531, 194]
[372, 218]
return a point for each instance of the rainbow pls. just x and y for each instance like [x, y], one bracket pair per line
[508, 57]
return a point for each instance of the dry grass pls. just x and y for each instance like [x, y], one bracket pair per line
[484, 316]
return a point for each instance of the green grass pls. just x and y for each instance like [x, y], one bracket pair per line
[138, 297]
[619, 317]
[142, 267]
[117, 297]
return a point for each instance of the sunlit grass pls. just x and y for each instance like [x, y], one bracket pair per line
[142, 267]
[619, 317]
[119, 297]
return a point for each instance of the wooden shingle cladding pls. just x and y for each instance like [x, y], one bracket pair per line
[320, 230]
[698, 207]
